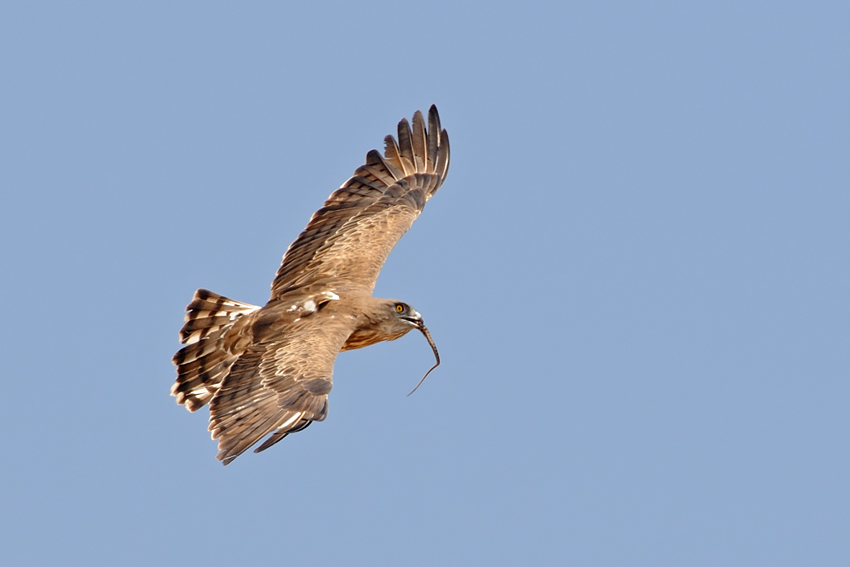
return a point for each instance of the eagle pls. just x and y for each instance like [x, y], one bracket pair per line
[268, 370]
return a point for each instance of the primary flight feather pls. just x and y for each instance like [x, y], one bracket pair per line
[268, 370]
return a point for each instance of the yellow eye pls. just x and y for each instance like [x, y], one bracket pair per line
[399, 307]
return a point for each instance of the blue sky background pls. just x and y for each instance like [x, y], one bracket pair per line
[637, 274]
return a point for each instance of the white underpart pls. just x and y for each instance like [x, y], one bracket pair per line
[310, 305]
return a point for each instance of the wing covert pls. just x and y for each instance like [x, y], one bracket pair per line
[277, 386]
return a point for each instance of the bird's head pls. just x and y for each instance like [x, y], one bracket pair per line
[404, 318]
[406, 315]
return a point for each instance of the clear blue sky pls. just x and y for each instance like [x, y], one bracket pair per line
[637, 273]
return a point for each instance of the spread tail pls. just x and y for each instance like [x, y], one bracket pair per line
[215, 334]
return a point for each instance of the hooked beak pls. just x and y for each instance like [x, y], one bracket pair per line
[414, 319]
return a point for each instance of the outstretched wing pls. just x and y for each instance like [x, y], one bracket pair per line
[279, 385]
[348, 240]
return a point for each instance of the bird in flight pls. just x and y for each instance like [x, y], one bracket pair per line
[268, 370]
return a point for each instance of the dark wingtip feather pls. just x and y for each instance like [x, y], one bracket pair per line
[392, 155]
[405, 147]
[420, 143]
[433, 138]
[443, 156]
[374, 159]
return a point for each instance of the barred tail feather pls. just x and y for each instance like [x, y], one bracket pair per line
[208, 312]
[214, 335]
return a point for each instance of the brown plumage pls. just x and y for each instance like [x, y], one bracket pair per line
[268, 370]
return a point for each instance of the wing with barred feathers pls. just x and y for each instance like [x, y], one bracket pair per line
[348, 240]
[280, 384]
